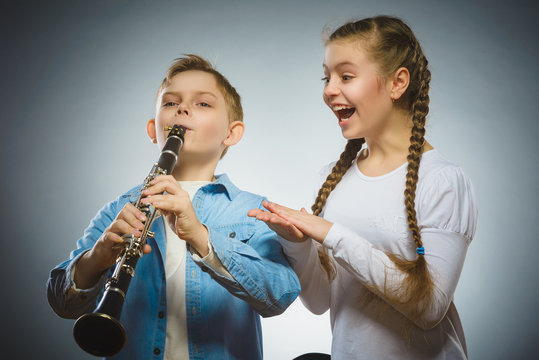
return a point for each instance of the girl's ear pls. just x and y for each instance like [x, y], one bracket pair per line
[400, 82]
[150, 129]
[235, 133]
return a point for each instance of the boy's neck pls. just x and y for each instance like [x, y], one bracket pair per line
[193, 170]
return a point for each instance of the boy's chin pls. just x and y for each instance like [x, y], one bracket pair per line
[187, 152]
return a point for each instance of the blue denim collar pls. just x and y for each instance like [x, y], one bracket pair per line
[222, 184]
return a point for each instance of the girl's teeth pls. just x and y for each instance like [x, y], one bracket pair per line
[339, 107]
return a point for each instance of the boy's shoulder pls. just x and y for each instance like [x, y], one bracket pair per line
[223, 181]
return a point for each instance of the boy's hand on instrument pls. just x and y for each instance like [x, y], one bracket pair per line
[309, 225]
[278, 224]
[108, 247]
[176, 207]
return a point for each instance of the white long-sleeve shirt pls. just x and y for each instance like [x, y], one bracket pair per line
[369, 219]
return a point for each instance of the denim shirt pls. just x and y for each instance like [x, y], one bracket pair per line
[222, 313]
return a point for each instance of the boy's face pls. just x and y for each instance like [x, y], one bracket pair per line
[193, 99]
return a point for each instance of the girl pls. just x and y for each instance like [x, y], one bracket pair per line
[393, 219]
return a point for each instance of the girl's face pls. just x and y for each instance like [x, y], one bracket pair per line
[193, 99]
[355, 91]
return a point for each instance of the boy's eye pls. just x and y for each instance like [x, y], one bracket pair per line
[203, 104]
[170, 103]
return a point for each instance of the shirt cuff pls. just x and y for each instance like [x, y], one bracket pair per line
[211, 260]
[333, 237]
[73, 291]
[293, 247]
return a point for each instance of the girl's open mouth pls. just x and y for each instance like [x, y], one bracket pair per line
[343, 112]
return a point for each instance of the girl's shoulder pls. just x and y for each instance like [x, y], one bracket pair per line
[445, 196]
[433, 161]
[436, 170]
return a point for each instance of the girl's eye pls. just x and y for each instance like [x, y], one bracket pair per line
[325, 79]
[346, 77]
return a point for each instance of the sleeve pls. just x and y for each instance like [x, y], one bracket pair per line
[315, 283]
[260, 274]
[447, 214]
[211, 260]
[63, 296]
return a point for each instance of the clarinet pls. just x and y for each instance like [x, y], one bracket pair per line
[100, 333]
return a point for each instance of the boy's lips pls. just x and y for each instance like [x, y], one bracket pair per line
[187, 128]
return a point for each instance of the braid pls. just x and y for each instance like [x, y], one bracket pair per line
[418, 284]
[338, 171]
[419, 110]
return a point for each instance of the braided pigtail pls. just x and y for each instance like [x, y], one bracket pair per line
[338, 171]
[418, 284]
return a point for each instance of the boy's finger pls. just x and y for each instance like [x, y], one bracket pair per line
[158, 188]
[160, 178]
[147, 249]
[120, 227]
[131, 209]
[129, 216]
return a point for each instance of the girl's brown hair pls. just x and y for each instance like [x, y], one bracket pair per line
[391, 44]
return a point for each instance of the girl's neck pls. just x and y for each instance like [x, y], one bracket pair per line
[391, 141]
[388, 148]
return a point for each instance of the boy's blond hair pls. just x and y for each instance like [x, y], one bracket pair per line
[194, 62]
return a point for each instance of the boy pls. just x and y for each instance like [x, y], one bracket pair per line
[210, 270]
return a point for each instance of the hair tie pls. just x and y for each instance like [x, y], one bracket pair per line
[420, 250]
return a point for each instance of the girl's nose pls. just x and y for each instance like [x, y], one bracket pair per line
[331, 90]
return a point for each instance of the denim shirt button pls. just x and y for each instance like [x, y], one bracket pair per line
[156, 351]
[232, 234]
[161, 314]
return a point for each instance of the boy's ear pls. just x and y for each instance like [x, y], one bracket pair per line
[150, 129]
[235, 133]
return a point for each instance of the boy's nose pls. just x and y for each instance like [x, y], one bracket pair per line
[182, 109]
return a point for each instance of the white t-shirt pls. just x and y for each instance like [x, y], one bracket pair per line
[176, 344]
[369, 219]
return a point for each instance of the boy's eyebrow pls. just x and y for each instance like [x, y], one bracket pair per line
[196, 93]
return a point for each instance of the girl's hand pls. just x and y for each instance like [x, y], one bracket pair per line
[177, 209]
[276, 223]
[309, 225]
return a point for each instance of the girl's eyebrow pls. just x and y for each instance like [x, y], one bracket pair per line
[339, 65]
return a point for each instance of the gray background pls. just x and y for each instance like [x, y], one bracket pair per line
[78, 85]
